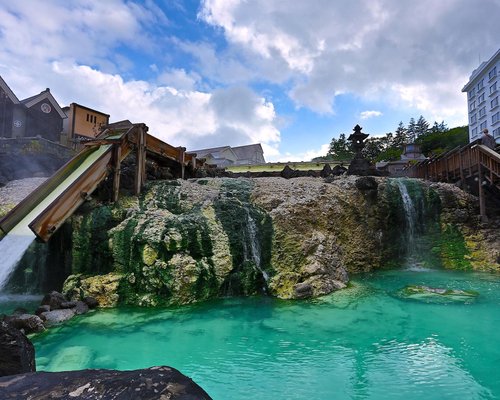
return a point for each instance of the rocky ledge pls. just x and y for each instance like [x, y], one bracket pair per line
[160, 383]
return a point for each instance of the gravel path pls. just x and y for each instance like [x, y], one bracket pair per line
[14, 191]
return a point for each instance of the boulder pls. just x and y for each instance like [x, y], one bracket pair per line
[55, 317]
[303, 290]
[17, 354]
[54, 300]
[91, 302]
[326, 171]
[145, 384]
[288, 173]
[428, 294]
[42, 309]
[81, 308]
[26, 322]
[68, 304]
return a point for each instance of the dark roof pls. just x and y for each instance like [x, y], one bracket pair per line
[91, 109]
[203, 152]
[246, 152]
[31, 101]
[9, 92]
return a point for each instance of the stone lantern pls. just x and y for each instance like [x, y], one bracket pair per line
[359, 165]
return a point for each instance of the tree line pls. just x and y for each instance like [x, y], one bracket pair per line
[434, 140]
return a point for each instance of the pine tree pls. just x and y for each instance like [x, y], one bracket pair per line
[411, 132]
[340, 149]
[400, 136]
[421, 127]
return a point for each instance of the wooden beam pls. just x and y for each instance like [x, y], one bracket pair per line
[182, 159]
[117, 150]
[140, 169]
[482, 200]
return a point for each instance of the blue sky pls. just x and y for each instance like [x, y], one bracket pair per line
[288, 74]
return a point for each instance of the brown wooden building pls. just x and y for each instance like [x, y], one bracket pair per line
[82, 123]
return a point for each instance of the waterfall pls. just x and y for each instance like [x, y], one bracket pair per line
[16, 242]
[255, 252]
[12, 247]
[411, 206]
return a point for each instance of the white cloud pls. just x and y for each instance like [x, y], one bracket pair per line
[417, 54]
[187, 117]
[369, 114]
[306, 155]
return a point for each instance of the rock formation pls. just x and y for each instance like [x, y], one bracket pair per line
[17, 354]
[145, 384]
[189, 241]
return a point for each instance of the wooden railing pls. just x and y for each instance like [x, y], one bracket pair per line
[474, 161]
[118, 143]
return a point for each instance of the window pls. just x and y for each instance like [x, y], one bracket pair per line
[472, 106]
[492, 73]
[495, 117]
[496, 132]
[480, 85]
[480, 99]
[482, 112]
[493, 88]
[474, 132]
[472, 93]
[473, 119]
[88, 117]
[482, 126]
[494, 103]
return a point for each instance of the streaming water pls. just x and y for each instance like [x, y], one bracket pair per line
[17, 241]
[412, 233]
[365, 342]
[256, 256]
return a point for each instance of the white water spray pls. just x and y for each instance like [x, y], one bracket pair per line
[411, 216]
[16, 242]
[254, 245]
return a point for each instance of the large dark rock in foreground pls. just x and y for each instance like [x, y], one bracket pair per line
[145, 384]
[17, 354]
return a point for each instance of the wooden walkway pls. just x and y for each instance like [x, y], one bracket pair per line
[112, 145]
[474, 166]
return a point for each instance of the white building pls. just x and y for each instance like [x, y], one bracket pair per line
[483, 90]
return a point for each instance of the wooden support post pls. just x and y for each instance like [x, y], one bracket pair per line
[482, 201]
[140, 161]
[462, 177]
[117, 152]
[182, 160]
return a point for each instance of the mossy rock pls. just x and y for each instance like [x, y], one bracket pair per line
[428, 294]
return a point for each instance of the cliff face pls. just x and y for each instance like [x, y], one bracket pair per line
[188, 241]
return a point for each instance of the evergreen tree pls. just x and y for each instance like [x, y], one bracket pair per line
[421, 127]
[443, 127]
[340, 149]
[411, 134]
[400, 136]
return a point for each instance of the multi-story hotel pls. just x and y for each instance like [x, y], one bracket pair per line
[483, 91]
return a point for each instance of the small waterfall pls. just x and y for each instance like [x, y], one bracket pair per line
[413, 214]
[16, 242]
[12, 247]
[255, 252]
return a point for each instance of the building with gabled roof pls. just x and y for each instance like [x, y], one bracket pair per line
[226, 156]
[38, 115]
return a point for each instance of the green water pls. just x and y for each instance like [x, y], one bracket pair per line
[360, 343]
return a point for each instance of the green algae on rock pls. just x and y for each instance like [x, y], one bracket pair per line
[182, 242]
[428, 294]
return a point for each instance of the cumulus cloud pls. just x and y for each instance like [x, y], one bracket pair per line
[385, 48]
[176, 105]
[187, 117]
[369, 114]
[306, 155]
